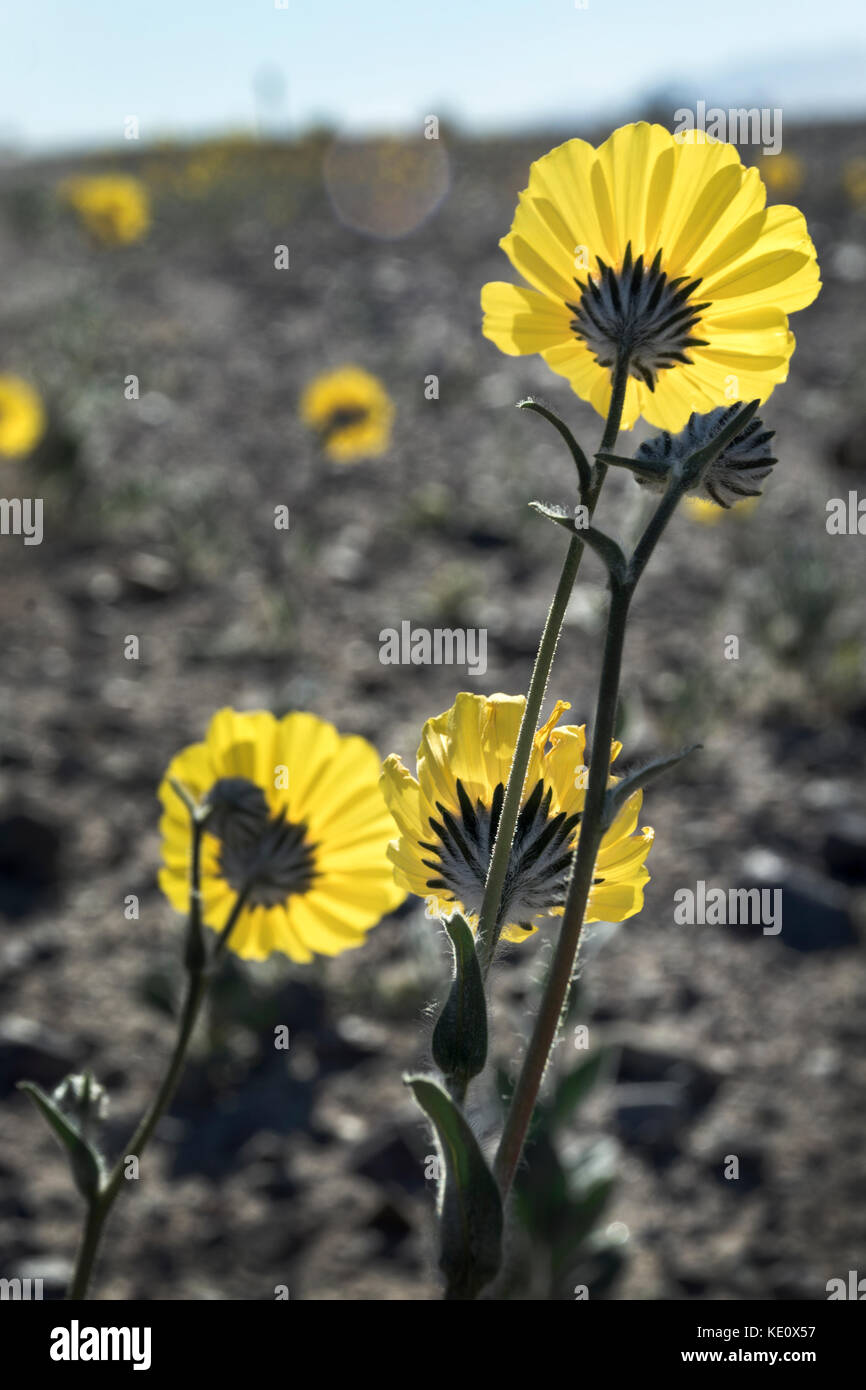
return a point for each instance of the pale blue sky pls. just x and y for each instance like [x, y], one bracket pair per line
[71, 72]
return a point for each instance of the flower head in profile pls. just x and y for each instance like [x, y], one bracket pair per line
[115, 208]
[350, 411]
[22, 417]
[661, 245]
[736, 473]
[448, 816]
[298, 829]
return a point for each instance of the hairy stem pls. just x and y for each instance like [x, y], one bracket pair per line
[490, 920]
[559, 978]
[198, 979]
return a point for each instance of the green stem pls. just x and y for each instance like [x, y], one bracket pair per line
[91, 1236]
[490, 924]
[240, 904]
[102, 1202]
[559, 978]
[198, 979]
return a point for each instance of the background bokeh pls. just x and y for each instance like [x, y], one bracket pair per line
[308, 1168]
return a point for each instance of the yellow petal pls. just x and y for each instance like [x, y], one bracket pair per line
[520, 320]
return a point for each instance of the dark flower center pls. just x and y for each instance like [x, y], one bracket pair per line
[641, 311]
[343, 418]
[267, 856]
[539, 864]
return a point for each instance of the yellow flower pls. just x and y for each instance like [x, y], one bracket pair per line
[665, 243]
[448, 818]
[706, 513]
[854, 180]
[782, 173]
[22, 417]
[297, 822]
[114, 208]
[351, 412]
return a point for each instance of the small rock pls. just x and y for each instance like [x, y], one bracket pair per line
[649, 1115]
[31, 1052]
[54, 1272]
[391, 1224]
[29, 864]
[845, 847]
[815, 915]
[644, 1065]
[390, 1161]
[750, 1169]
[152, 576]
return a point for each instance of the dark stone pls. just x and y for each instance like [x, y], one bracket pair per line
[29, 864]
[31, 1052]
[845, 847]
[696, 1083]
[484, 538]
[391, 1225]
[216, 1125]
[390, 1161]
[815, 911]
[751, 1173]
[849, 450]
[650, 1115]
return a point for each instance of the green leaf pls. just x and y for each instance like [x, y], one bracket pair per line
[604, 546]
[608, 550]
[186, 797]
[541, 1188]
[84, 1160]
[470, 1207]
[579, 1217]
[648, 470]
[581, 462]
[617, 795]
[554, 511]
[576, 1086]
[460, 1035]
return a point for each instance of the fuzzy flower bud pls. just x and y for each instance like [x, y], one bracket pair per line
[734, 474]
[82, 1100]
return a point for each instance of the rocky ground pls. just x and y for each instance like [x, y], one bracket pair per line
[307, 1169]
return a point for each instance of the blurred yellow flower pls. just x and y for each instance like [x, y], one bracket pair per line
[700, 509]
[296, 840]
[447, 819]
[351, 412]
[22, 417]
[663, 246]
[782, 173]
[854, 180]
[114, 208]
